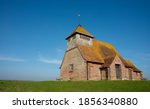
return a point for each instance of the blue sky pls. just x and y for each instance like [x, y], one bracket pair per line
[33, 32]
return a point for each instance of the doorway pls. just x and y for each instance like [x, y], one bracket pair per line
[118, 71]
[130, 74]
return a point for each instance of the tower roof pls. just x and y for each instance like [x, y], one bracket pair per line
[80, 30]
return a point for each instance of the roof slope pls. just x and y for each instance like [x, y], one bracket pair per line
[89, 54]
[99, 52]
[102, 52]
[80, 30]
[108, 61]
[130, 64]
[104, 49]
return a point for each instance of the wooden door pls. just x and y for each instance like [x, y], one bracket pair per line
[118, 71]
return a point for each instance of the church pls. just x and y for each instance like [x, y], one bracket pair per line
[88, 59]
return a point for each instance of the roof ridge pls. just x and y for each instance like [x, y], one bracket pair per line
[79, 29]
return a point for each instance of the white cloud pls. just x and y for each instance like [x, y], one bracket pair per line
[12, 59]
[47, 61]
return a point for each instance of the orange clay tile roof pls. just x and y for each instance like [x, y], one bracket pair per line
[104, 49]
[132, 66]
[108, 61]
[99, 52]
[102, 52]
[80, 30]
[89, 54]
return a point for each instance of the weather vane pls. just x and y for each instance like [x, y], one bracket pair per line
[79, 19]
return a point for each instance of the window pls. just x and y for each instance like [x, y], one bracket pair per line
[84, 37]
[69, 40]
[74, 37]
[71, 67]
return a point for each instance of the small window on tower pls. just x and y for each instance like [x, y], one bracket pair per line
[74, 37]
[84, 37]
[71, 67]
[69, 40]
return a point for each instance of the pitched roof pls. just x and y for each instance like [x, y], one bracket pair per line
[89, 54]
[108, 61]
[102, 52]
[104, 49]
[132, 66]
[80, 30]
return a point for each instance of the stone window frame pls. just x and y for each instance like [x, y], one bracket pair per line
[84, 37]
[74, 37]
[71, 67]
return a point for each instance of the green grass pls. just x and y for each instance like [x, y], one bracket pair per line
[74, 86]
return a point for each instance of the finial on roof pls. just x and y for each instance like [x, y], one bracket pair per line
[79, 19]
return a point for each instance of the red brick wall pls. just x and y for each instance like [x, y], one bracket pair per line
[112, 70]
[79, 66]
[94, 71]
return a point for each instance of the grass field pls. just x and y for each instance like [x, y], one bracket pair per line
[74, 86]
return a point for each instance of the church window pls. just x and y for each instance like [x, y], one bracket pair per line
[74, 37]
[71, 68]
[69, 40]
[84, 37]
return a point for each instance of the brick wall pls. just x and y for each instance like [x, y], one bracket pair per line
[79, 66]
[124, 72]
[94, 71]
